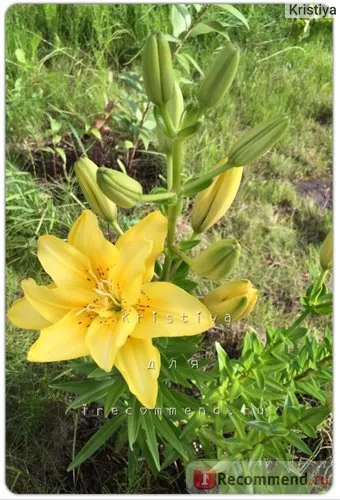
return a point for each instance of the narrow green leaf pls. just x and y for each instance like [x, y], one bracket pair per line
[96, 441]
[224, 363]
[188, 244]
[169, 433]
[117, 389]
[296, 441]
[133, 421]
[315, 416]
[260, 380]
[180, 19]
[257, 453]
[210, 27]
[151, 439]
[97, 392]
[234, 12]
[307, 429]
[237, 423]
[77, 386]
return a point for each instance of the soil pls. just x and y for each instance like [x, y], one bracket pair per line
[319, 190]
[140, 164]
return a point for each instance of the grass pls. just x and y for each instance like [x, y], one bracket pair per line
[63, 62]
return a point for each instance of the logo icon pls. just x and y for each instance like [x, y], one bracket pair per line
[204, 479]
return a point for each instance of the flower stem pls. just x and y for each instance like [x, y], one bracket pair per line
[220, 168]
[321, 279]
[169, 171]
[174, 210]
[117, 227]
[297, 322]
[158, 196]
[167, 120]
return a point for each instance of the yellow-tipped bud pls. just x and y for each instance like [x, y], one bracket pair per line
[257, 141]
[212, 203]
[86, 174]
[120, 188]
[235, 299]
[218, 260]
[219, 77]
[175, 108]
[157, 69]
[326, 252]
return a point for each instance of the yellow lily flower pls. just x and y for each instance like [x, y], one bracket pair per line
[102, 303]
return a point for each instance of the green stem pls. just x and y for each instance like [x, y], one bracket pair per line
[175, 209]
[321, 279]
[182, 255]
[222, 167]
[158, 197]
[169, 171]
[167, 119]
[297, 322]
[166, 268]
[117, 227]
[177, 162]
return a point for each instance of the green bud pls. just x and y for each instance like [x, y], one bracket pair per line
[219, 77]
[175, 109]
[157, 69]
[218, 260]
[257, 141]
[326, 252]
[86, 174]
[120, 188]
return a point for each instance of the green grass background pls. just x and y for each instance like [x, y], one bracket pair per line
[67, 68]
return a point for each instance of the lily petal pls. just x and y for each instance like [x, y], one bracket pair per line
[153, 227]
[54, 303]
[64, 263]
[106, 335]
[23, 315]
[139, 363]
[168, 311]
[63, 340]
[131, 270]
[86, 236]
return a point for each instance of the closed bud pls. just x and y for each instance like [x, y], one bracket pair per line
[157, 69]
[218, 260]
[326, 252]
[212, 203]
[219, 77]
[175, 108]
[120, 188]
[257, 141]
[235, 298]
[86, 174]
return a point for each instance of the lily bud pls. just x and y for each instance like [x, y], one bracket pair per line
[326, 252]
[120, 188]
[219, 77]
[212, 203]
[235, 298]
[157, 69]
[175, 108]
[86, 174]
[217, 260]
[257, 141]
